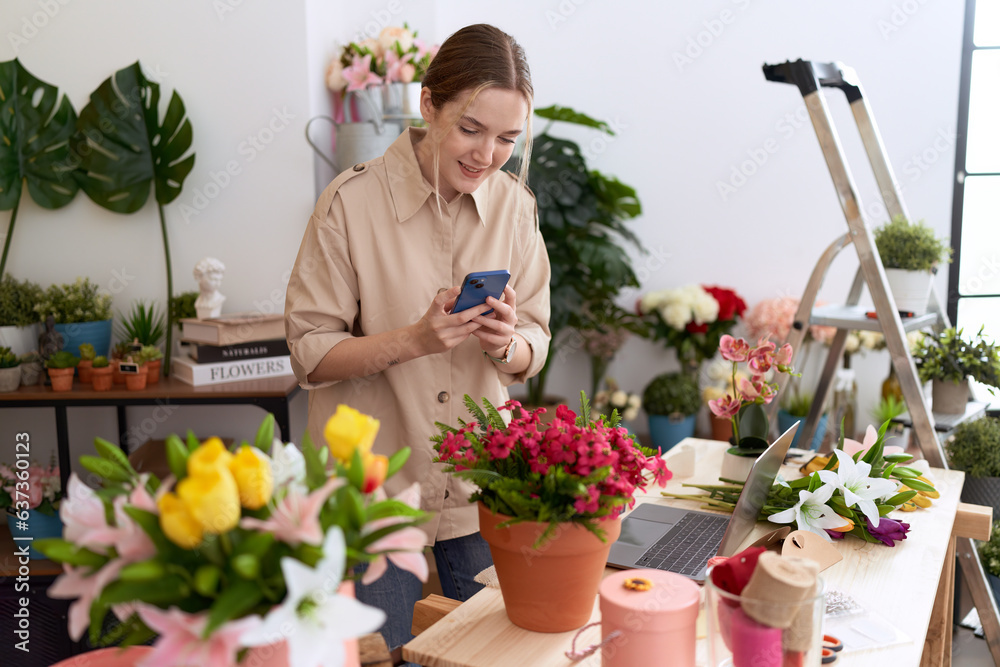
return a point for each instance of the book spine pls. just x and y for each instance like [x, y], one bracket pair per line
[208, 354]
[234, 371]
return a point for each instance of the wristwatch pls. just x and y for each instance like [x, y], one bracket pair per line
[508, 353]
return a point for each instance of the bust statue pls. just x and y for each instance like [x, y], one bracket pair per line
[208, 272]
[50, 342]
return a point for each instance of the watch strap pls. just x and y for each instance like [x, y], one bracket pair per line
[505, 359]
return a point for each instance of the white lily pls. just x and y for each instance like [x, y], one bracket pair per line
[289, 467]
[812, 513]
[314, 619]
[858, 488]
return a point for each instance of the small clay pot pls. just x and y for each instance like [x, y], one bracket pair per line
[116, 375]
[62, 378]
[101, 378]
[136, 381]
[84, 368]
[153, 371]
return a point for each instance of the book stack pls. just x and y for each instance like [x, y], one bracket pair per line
[232, 348]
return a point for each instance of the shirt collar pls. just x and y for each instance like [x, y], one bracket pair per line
[408, 187]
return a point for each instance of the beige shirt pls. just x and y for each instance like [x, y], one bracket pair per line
[374, 255]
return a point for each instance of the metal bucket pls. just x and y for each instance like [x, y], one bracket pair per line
[362, 137]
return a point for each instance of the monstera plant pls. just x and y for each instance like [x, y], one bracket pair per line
[34, 144]
[124, 150]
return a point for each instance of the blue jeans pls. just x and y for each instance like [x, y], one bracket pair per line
[395, 592]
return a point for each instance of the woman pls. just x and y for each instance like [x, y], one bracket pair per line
[368, 304]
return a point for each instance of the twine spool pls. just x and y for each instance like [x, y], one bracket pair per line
[799, 635]
[774, 594]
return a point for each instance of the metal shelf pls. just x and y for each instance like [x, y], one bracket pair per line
[946, 423]
[853, 317]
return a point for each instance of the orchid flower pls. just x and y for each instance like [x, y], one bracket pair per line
[853, 480]
[811, 512]
[296, 518]
[405, 548]
[181, 641]
[314, 619]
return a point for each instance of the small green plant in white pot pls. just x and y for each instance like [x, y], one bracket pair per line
[910, 252]
[671, 400]
[949, 360]
[18, 321]
[10, 370]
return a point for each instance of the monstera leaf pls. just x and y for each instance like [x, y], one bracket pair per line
[125, 149]
[34, 144]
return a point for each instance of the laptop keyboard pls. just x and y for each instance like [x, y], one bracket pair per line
[688, 546]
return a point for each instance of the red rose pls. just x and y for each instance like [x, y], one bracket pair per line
[731, 305]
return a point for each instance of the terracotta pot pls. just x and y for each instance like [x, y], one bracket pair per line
[553, 588]
[722, 429]
[136, 381]
[153, 372]
[84, 368]
[949, 398]
[116, 375]
[62, 378]
[101, 378]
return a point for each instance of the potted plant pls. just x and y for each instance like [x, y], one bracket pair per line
[81, 313]
[949, 361]
[545, 508]
[134, 371]
[182, 307]
[795, 409]
[975, 448]
[31, 368]
[989, 556]
[151, 357]
[246, 545]
[118, 353]
[18, 320]
[100, 374]
[910, 253]
[745, 406]
[87, 356]
[889, 408]
[30, 497]
[671, 401]
[143, 325]
[10, 370]
[614, 398]
[61, 367]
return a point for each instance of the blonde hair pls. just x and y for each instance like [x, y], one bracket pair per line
[475, 58]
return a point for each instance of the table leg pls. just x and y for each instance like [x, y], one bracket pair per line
[279, 408]
[62, 445]
[937, 644]
[123, 428]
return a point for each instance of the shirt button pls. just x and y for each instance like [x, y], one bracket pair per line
[359, 167]
[446, 494]
[443, 397]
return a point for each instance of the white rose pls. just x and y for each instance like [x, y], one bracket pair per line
[375, 47]
[335, 80]
[651, 301]
[870, 339]
[706, 308]
[634, 401]
[852, 344]
[619, 399]
[393, 34]
[676, 315]
[630, 414]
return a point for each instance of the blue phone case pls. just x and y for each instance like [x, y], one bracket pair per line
[479, 285]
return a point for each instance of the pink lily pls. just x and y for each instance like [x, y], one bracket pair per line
[725, 407]
[296, 518]
[85, 589]
[181, 641]
[734, 349]
[852, 447]
[395, 67]
[82, 514]
[359, 74]
[405, 548]
[423, 49]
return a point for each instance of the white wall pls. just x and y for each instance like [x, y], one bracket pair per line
[682, 130]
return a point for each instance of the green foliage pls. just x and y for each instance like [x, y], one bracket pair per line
[8, 359]
[87, 352]
[121, 350]
[100, 361]
[671, 393]
[798, 404]
[581, 215]
[975, 447]
[182, 306]
[910, 246]
[888, 408]
[989, 552]
[62, 359]
[149, 353]
[143, 323]
[948, 357]
[17, 302]
[78, 301]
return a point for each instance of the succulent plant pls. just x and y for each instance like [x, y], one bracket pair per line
[100, 361]
[670, 394]
[8, 359]
[62, 359]
[143, 323]
[149, 353]
[87, 352]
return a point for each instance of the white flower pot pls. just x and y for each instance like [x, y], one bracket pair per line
[736, 467]
[20, 340]
[910, 289]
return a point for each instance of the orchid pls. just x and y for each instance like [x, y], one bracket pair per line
[853, 480]
[314, 619]
[811, 512]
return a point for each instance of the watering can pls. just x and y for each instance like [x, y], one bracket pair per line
[357, 139]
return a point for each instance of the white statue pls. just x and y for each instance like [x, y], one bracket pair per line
[208, 272]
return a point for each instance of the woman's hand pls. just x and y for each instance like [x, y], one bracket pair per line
[439, 330]
[496, 329]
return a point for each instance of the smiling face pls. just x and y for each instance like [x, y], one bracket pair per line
[475, 144]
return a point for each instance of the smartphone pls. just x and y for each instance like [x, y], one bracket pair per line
[479, 285]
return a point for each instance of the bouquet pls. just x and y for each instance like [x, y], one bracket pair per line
[850, 495]
[237, 548]
[397, 56]
[745, 405]
[30, 486]
[773, 318]
[613, 399]
[575, 469]
[691, 319]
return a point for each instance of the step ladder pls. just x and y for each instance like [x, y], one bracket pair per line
[810, 77]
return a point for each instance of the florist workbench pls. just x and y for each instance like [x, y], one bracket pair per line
[910, 585]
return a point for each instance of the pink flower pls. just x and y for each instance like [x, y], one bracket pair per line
[734, 349]
[82, 514]
[129, 538]
[360, 75]
[405, 548]
[749, 389]
[852, 447]
[74, 584]
[296, 518]
[783, 356]
[395, 67]
[181, 641]
[423, 49]
[725, 407]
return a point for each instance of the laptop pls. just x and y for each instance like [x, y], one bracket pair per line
[681, 541]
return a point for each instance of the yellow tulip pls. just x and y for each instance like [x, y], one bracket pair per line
[177, 523]
[348, 430]
[253, 476]
[210, 455]
[213, 500]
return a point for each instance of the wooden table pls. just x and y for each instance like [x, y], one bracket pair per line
[900, 584]
[271, 394]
